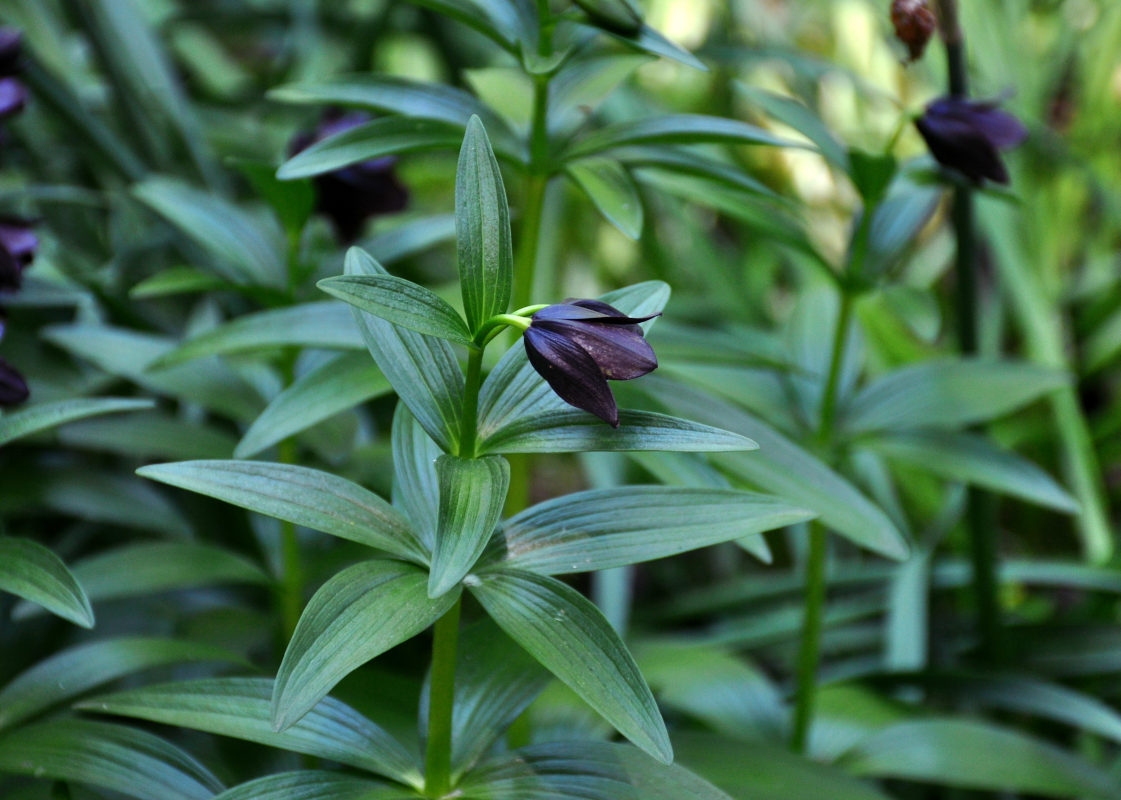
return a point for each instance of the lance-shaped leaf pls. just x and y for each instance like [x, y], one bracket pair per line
[948, 394]
[31, 571]
[472, 493]
[416, 487]
[302, 495]
[377, 139]
[355, 616]
[423, 369]
[672, 129]
[344, 382]
[482, 229]
[133, 762]
[570, 431]
[611, 190]
[73, 672]
[310, 784]
[239, 707]
[565, 632]
[49, 415]
[649, 40]
[606, 528]
[401, 302]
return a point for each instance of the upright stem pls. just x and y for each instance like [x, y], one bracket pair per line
[809, 650]
[468, 430]
[441, 703]
[978, 514]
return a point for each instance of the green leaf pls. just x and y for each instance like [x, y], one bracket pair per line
[672, 129]
[801, 118]
[305, 496]
[314, 785]
[114, 499]
[505, 22]
[423, 369]
[973, 459]
[585, 82]
[292, 201]
[74, 671]
[416, 488]
[327, 325]
[411, 238]
[785, 469]
[239, 707]
[346, 381]
[651, 41]
[765, 772]
[133, 762]
[977, 755]
[400, 302]
[148, 568]
[482, 228]
[566, 633]
[948, 394]
[238, 249]
[897, 223]
[515, 394]
[578, 431]
[656, 781]
[33, 572]
[354, 617]
[556, 771]
[606, 528]
[49, 415]
[611, 190]
[177, 280]
[686, 162]
[149, 435]
[621, 16]
[381, 137]
[472, 494]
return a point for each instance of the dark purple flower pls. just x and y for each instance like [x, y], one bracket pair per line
[968, 136]
[576, 346]
[11, 51]
[351, 195]
[13, 97]
[13, 388]
[17, 250]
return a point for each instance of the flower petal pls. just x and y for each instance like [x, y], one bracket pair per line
[956, 144]
[13, 388]
[619, 350]
[571, 373]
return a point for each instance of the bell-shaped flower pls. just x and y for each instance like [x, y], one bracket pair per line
[18, 246]
[578, 345]
[13, 388]
[967, 136]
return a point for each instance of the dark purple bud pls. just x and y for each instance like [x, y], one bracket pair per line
[578, 345]
[968, 136]
[13, 388]
[13, 97]
[351, 195]
[17, 250]
[11, 51]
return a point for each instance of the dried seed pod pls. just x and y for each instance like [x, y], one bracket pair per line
[914, 23]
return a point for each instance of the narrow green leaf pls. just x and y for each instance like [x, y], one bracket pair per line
[381, 137]
[585, 82]
[314, 785]
[239, 707]
[292, 201]
[423, 369]
[149, 435]
[302, 495]
[472, 494]
[33, 572]
[114, 499]
[570, 431]
[239, 249]
[610, 188]
[672, 129]
[327, 325]
[651, 41]
[621, 16]
[74, 671]
[416, 488]
[354, 617]
[687, 162]
[411, 238]
[801, 118]
[948, 394]
[606, 528]
[977, 755]
[133, 762]
[973, 459]
[177, 280]
[41, 417]
[566, 633]
[482, 228]
[509, 23]
[346, 381]
[556, 771]
[400, 302]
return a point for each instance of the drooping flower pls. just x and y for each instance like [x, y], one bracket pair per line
[578, 345]
[351, 195]
[13, 94]
[914, 24]
[968, 135]
[17, 250]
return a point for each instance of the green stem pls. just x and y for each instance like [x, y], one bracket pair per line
[809, 652]
[836, 360]
[441, 702]
[469, 423]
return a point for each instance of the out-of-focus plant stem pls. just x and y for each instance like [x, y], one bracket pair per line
[441, 702]
[979, 517]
